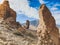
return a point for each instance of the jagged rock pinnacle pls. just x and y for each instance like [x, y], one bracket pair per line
[47, 23]
[43, 5]
[6, 2]
[8, 15]
[6, 11]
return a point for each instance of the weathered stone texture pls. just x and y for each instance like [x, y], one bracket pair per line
[47, 23]
[6, 11]
[8, 15]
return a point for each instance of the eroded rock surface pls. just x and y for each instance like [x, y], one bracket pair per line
[47, 23]
[8, 15]
[6, 11]
[12, 32]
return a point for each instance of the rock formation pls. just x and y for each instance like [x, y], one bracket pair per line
[6, 11]
[8, 15]
[12, 32]
[47, 25]
[27, 24]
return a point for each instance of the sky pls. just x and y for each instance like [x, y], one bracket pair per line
[30, 8]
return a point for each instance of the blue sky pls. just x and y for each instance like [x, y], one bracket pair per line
[30, 8]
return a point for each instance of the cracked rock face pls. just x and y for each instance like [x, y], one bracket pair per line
[47, 23]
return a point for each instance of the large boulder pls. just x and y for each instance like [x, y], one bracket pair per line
[47, 25]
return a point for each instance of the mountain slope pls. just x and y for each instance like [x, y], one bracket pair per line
[12, 36]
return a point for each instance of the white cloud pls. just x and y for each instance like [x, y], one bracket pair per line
[55, 12]
[54, 8]
[1, 1]
[57, 18]
[22, 6]
[57, 4]
[42, 2]
[56, 15]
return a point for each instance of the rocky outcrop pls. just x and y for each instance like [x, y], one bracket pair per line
[11, 36]
[10, 21]
[47, 24]
[6, 11]
[8, 15]
[27, 24]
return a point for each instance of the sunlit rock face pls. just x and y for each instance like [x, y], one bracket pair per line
[8, 15]
[47, 25]
[6, 11]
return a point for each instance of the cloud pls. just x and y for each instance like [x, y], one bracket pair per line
[55, 11]
[22, 7]
[43, 2]
[1, 1]
[57, 4]
[56, 14]
[57, 18]
[54, 8]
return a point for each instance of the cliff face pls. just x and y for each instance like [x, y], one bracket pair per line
[6, 11]
[47, 26]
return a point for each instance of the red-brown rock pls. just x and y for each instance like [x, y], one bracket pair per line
[6, 11]
[47, 23]
[8, 15]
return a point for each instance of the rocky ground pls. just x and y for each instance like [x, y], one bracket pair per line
[10, 36]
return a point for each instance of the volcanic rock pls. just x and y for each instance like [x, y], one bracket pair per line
[47, 23]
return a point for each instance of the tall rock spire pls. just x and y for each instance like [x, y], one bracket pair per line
[6, 11]
[47, 26]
